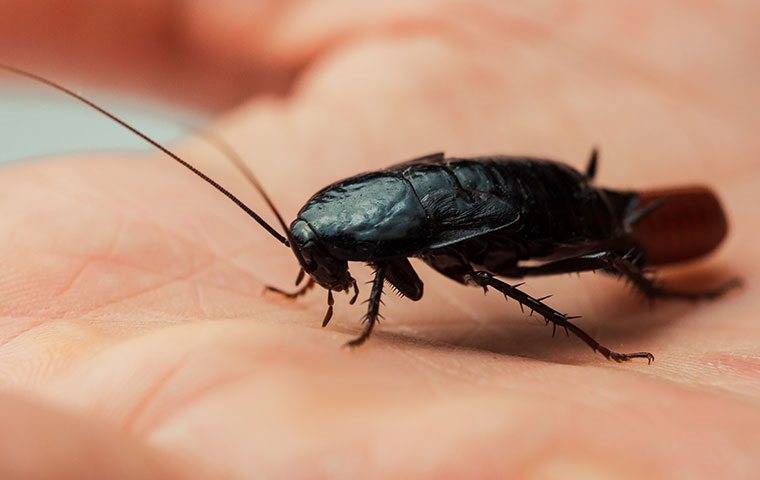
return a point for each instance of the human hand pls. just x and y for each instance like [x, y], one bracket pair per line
[134, 333]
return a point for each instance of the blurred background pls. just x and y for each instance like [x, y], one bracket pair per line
[35, 122]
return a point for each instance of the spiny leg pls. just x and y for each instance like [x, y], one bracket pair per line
[652, 290]
[626, 266]
[485, 279]
[373, 307]
[582, 263]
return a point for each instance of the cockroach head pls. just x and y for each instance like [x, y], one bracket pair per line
[328, 271]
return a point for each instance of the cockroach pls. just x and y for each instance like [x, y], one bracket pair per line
[476, 219]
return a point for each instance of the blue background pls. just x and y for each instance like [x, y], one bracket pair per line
[35, 123]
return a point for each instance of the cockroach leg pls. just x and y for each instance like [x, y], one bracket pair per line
[299, 278]
[373, 308]
[481, 279]
[329, 312]
[355, 286]
[652, 290]
[626, 266]
[292, 295]
[582, 263]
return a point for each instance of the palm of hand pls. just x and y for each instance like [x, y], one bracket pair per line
[132, 293]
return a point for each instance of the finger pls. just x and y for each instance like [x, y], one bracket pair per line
[141, 44]
[226, 50]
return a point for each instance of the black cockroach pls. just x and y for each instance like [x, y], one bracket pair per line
[473, 219]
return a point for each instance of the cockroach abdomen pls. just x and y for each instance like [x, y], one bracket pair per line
[689, 224]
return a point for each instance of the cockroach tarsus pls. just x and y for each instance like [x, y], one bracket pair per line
[476, 219]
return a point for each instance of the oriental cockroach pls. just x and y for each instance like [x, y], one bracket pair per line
[476, 219]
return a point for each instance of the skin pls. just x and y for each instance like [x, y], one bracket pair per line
[134, 338]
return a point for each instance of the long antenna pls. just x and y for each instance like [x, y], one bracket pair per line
[165, 150]
[217, 141]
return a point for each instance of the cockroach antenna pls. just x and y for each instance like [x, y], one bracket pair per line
[218, 142]
[224, 147]
[249, 175]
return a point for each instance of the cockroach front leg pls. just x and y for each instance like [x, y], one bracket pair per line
[485, 280]
[293, 295]
[373, 307]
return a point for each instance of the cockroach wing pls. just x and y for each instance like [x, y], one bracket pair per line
[460, 219]
[455, 213]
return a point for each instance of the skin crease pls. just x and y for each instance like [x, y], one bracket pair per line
[131, 314]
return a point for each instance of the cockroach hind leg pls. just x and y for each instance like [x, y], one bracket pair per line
[714, 293]
[624, 357]
[553, 316]
[654, 290]
[722, 289]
